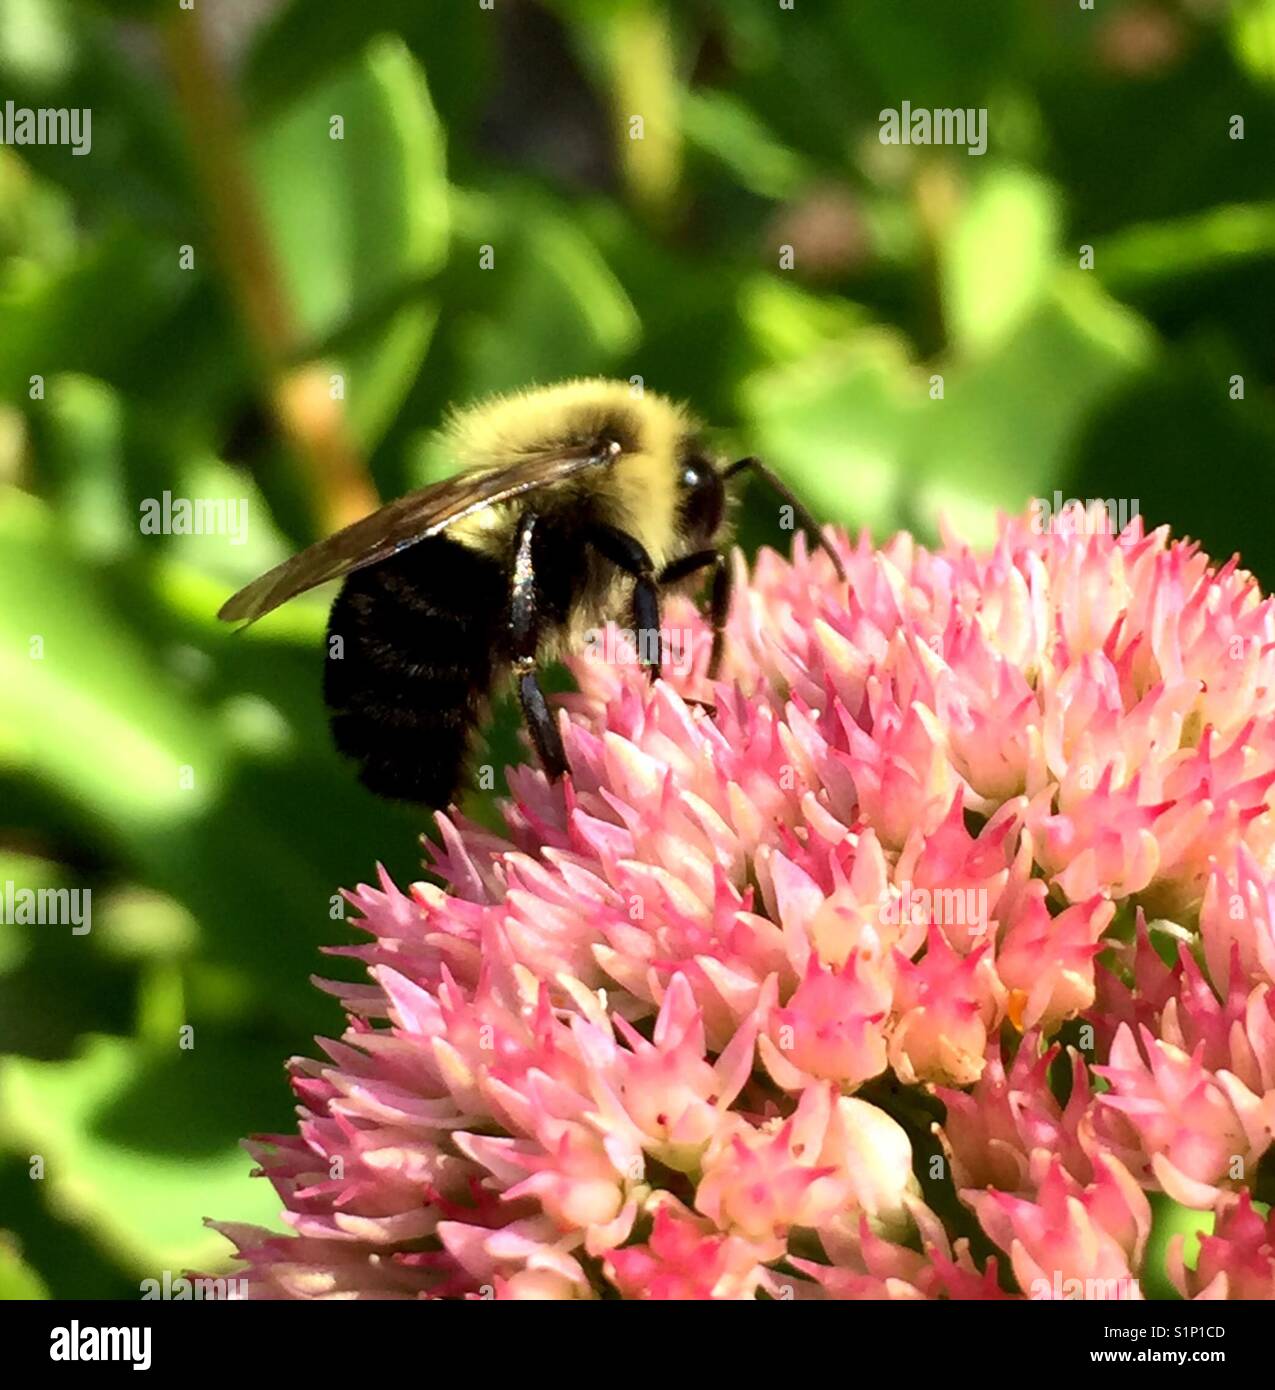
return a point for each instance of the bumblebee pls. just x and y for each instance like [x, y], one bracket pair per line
[573, 504]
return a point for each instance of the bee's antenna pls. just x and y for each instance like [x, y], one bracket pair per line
[801, 515]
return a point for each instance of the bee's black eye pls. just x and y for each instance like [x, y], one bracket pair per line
[703, 499]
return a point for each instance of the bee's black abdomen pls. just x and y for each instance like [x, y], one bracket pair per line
[405, 684]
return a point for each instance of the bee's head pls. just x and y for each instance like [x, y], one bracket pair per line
[701, 496]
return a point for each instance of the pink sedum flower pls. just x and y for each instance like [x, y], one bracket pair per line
[964, 891]
[1236, 1261]
[995, 1132]
[1238, 917]
[1046, 962]
[1072, 1241]
[945, 1006]
[1202, 1131]
[831, 1027]
[686, 1258]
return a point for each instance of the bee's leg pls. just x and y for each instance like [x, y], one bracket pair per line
[800, 515]
[628, 554]
[540, 722]
[719, 604]
[524, 633]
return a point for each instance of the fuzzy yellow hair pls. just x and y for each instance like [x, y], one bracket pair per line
[640, 487]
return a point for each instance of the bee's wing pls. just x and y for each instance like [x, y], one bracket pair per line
[404, 522]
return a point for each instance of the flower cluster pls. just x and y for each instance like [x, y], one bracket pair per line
[962, 895]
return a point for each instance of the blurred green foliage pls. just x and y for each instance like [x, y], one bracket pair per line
[183, 773]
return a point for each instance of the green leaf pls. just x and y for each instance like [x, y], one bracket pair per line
[558, 308]
[79, 446]
[863, 434]
[356, 219]
[127, 739]
[1252, 34]
[1164, 251]
[723, 127]
[196, 803]
[789, 323]
[17, 1279]
[24, 871]
[1010, 425]
[135, 1148]
[89, 316]
[835, 425]
[997, 257]
[1168, 1220]
[36, 40]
